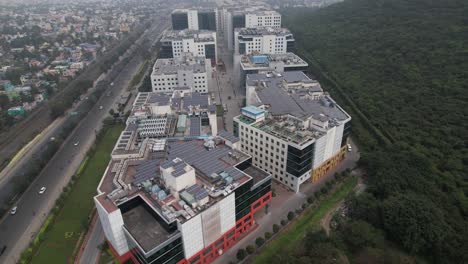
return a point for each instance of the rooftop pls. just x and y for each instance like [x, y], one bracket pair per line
[264, 61]
[296, 94]
[143, 225]
[297, 108]
[184, 63]
[263, 31]
[197, 35]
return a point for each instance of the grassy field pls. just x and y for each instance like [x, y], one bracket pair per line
[287, 241]
[59, 242]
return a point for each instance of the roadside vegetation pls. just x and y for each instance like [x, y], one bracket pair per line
[282, 248]
[399, 68]
[57, 241]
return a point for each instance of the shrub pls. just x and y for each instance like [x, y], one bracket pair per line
[259, 241]
[290, 216]
[250, 249]
[324, 190]
[317, 195]
[241, 254]
[276, 228]
[267, 235]
[283, 222]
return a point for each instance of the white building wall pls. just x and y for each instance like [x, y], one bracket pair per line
[213, 123]
[227, 211]
[112, 224]
[192, 16]
[330, 143]
[338, 138]
[192, 235]
[319, 152]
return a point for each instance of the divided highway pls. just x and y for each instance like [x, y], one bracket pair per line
[17, 230]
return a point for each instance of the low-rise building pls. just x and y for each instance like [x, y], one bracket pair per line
[184, 71]
[292, 129]
[258, 63]
[263, 40]
[200, 43]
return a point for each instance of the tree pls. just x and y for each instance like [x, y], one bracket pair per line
[415, 222]
[360, 234]
[310, 199]
[276, 228]
[291, 216]
[284, 222]
[259, 241]
[241, 254]
[4, 101]
[267, 235]
[250, 249]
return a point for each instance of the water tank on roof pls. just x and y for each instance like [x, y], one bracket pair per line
[155, 189]
[162, 195]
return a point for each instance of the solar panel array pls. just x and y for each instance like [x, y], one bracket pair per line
[195, 154]
[197, 191]
[146, 171]
[195, 126]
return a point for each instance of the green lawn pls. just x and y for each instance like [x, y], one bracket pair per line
[59, 242]
[287, 241]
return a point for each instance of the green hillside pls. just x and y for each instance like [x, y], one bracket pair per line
[400, 67]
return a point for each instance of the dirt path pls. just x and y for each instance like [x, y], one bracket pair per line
[325, 222]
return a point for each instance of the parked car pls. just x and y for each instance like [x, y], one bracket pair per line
[42, 190]
[13, 210]
[76, 143]
[349, 148]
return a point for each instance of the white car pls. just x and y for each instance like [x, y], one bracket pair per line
[101, 107]
[76, 143]
[13, 210]
[42, 190]
[349, 148]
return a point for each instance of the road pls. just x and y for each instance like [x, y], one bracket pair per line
[96, 234]
[91, 251]
[17, 230]
[223, 85]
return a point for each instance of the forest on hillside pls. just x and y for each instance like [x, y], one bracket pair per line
[404, 64]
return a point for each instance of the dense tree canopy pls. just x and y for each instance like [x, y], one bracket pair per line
[403, 64]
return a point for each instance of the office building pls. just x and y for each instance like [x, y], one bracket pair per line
[194, 19]
[258, 63]
[263, 40]
[175, 196]
[292, 129]
[200, 43]
[184, 71]
[181, 113]
[251, 17]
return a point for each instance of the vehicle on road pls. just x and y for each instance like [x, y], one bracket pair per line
[101, 107]
[42, 190]
[2, 250]
[76, 143]
[225, 108]
[349, 148]
[13, 210]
